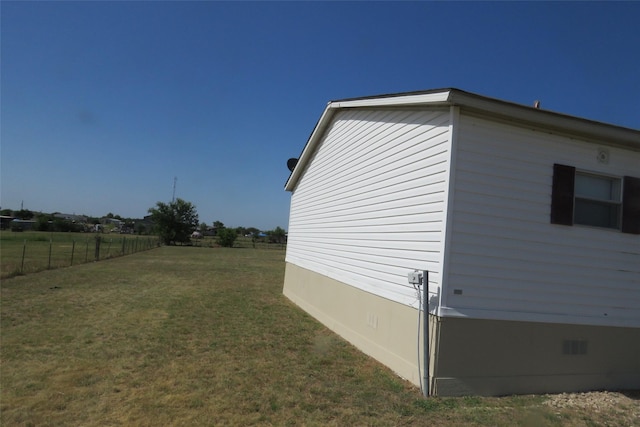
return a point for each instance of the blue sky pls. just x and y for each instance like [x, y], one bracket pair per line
[104, 103]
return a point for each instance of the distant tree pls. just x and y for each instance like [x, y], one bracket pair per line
[203, 227]
[23, 214]
[226, 237]
[140, 228]
[174, 221]
[6, 212]
[277, 236]
[217, 226]
[61, 224]
[44, 222]
[253, 231]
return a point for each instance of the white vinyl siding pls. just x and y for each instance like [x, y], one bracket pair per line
[369, 207]
[507, 260]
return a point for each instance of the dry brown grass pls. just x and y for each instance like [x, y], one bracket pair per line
[199, 336]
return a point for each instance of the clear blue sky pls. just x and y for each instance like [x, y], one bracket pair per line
[104, 103]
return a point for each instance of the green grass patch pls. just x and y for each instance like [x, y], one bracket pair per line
[201, 336]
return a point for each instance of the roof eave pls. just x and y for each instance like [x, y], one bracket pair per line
[549, 120]
[504, 110]
[309, 147]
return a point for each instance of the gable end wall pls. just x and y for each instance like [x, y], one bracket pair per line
[369, 207]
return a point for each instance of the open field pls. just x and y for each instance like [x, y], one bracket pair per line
[31, 251]
[203, 336]
[241, 242]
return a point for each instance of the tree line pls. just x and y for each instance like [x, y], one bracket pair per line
[56, 221]
[177, 221]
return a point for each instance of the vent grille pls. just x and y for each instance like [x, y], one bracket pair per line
[574, 347]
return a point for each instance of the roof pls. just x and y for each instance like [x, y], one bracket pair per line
[470, 102]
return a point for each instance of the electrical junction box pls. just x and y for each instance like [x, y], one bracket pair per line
[415, 278]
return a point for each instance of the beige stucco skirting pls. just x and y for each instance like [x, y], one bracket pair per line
[489, 357]
[381, 328]
[470, 356]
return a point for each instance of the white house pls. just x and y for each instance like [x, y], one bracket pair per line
[526, 220]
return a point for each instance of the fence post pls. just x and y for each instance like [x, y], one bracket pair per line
[50, 245]
[97, 257]
[73, 249]
[86, 252]
[24, 249]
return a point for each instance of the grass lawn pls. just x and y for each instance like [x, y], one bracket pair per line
[203, 336]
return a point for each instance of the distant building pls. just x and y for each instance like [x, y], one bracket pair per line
[5, 221]
[111, 221]
[78, 219]
[22, 224]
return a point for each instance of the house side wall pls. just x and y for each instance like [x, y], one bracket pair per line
[507, 261]
[369, 208]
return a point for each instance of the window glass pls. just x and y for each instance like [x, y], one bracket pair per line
[597, 201]
[597, 187]
[596, 214]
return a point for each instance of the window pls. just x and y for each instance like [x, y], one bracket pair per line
[596, 200]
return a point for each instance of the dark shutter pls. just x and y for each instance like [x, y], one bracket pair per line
[631, 205]
[562, 194]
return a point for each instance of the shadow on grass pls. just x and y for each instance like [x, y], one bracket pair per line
[631, 394]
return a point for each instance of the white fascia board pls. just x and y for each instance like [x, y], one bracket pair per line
[310, 147]
[396, 101]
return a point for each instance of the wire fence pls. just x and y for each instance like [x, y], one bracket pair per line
[241, 242]
[37, 252]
